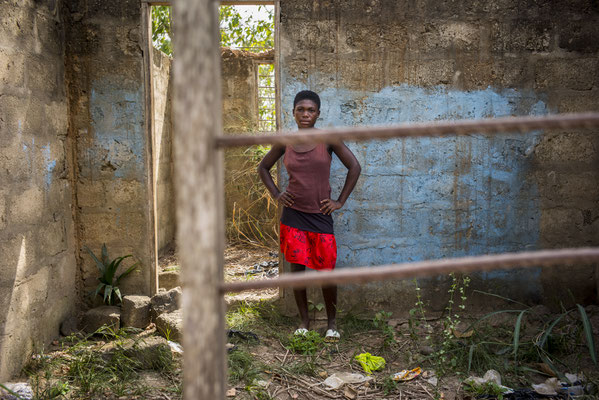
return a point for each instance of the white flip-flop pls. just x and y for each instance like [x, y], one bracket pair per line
[332, 336]
[300, 332]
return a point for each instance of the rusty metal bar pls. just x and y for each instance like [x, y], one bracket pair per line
[542, 258]
[439, 128]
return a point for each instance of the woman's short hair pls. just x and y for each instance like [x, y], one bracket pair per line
[307, 95]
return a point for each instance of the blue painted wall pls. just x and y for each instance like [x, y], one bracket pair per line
[429, 198]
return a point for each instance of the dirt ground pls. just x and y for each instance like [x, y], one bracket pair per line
[266, 361]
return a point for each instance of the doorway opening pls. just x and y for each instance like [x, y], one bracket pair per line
[250, 104]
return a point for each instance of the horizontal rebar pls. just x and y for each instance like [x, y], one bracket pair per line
[542, 258]
[438, 128]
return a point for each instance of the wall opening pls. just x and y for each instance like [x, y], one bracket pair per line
[250, 102]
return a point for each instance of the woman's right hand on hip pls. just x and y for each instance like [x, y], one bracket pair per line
[285, 199]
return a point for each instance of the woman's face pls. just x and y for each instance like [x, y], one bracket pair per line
[306, 113]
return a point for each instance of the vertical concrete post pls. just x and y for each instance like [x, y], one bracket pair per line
[199, 190]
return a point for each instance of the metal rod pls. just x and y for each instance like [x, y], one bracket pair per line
[440, 128]
[542, 258]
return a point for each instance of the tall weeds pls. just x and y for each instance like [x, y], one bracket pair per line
[251, 212]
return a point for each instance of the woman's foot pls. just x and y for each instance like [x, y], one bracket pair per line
[332, 336]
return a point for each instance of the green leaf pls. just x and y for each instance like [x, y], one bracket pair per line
[117, 291]
[517, 332]
[588, 333]
[100, 266]
[98, 288]
[127, 272]
[545, 336]
[470, 356]
[105, 259]
[547, 361]
[107, 293]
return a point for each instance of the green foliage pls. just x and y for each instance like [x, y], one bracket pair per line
[162, 32]
[109, 282]
[381, 321]
[389, 385]
[307, 344]
[486, 389]
[251, 34]
[242, 367]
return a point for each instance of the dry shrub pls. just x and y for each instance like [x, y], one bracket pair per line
[251, 213]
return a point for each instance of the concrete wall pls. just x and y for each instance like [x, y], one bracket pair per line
[37, 264]
[113, 164]
[243, 188]
[388, 61]
[163, 150]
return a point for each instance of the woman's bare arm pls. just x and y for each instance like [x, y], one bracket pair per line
[353, 173]
[264, 172]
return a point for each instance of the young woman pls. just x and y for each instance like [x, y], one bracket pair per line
[307, 237]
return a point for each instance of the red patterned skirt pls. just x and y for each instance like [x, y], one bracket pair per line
[314, 250]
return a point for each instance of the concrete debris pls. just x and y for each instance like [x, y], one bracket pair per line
[135, 311]
[168, 280]
[69, 326]
[95, 318]
[170, 325]
[165, 302]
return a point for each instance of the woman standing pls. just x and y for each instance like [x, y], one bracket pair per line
[307, 237]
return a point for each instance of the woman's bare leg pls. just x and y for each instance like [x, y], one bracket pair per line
[301, 299]
[329, 293]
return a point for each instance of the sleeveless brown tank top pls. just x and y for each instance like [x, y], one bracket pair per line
[309, 174]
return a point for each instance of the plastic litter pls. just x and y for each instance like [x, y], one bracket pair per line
[175, 347]
[242, 335]
[491, 376]
[370, 363]
[407, 374]
[552, 386]
[548, 388]
[339, 379]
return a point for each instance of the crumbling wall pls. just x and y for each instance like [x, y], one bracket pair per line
[163, 150]
[240, 114]
[388, 61]
[113, 165]
[37, 266]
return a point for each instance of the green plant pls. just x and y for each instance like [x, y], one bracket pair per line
[314, 307]
[418, 316]
[307, 344]
[242, 367]
[446, 358]
[109, 282]
[381, 321]
[486, 389]
[389, 385]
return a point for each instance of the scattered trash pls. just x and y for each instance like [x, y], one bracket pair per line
[231, 392]
[175, 347]
[263, 384]
[370, 363]
[490, 376]
[267, 268]
[491, 379]
[407, 375]
[323, 374]
[549, 387]
[230, 347]
[339, 379]
[242, 335]
[552, 386]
